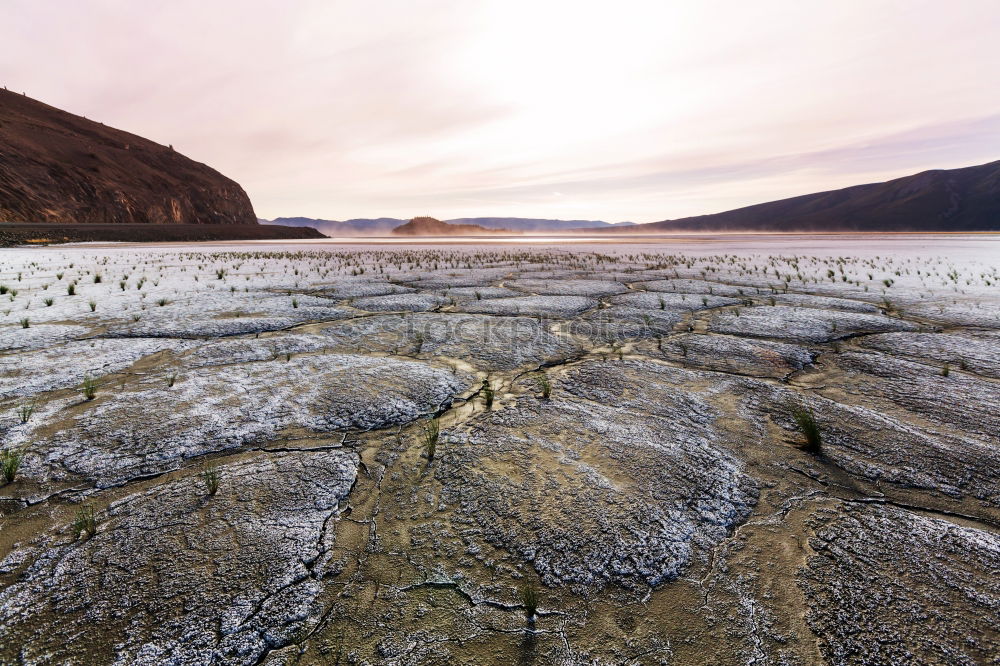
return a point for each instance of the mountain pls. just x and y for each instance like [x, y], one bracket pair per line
[966, 199]
[428, 226]
[382, 226]
[59, 168]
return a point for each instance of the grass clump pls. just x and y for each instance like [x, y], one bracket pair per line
[488, 394]
[89, 387]
[85, 523]
[210, 477]
[544, 385]
[806, 422]
[10, 462]
[71, 289]
[48, 302]
[92, 304]
[529, 600]
[25, 323]
[431, 434]
[25, 411]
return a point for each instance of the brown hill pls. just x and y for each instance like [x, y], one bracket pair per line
[966, 199]
[428, 226]
[56, 167]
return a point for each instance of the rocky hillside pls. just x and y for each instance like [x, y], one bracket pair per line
[56, 167]
[428, 226]
[940, 200]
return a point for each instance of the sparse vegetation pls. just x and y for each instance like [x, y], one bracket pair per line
[10, 462]
[430, 434]
[544, 384]
[809, 429]
[529, 601]
[25, 410]
[210, 478]
[85, 523]
[488, 394]
[89, 387]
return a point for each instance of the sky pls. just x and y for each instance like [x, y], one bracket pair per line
[620, 110]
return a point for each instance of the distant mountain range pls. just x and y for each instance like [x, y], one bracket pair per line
[383, 226]
[966, 199]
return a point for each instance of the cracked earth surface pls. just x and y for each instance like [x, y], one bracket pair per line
[499, 455]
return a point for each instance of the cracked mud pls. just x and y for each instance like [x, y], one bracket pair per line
[504, 455]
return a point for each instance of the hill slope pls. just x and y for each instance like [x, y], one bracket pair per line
[428, 226]
[966, 199]
[56, 167]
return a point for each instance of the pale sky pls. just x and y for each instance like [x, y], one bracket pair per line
[618, 110]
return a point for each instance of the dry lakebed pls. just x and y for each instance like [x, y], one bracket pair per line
[729, 453]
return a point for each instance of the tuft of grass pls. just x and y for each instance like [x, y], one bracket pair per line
[295, 302]
[806, 422]
[210, 477]
[85, 523]
[161, 302]
[25, 411]
[89, 387]
[488, 394]
[71, 289]
[25, 323]
[171, 379]
[93, 305]
[10, 462]
[529, 600]
[544, 384]
[945, 370]
[97, 278]
[431, 434]
[963, 364]
[48, 302]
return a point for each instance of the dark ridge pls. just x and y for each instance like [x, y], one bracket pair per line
[56, 167]
[966, 199]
